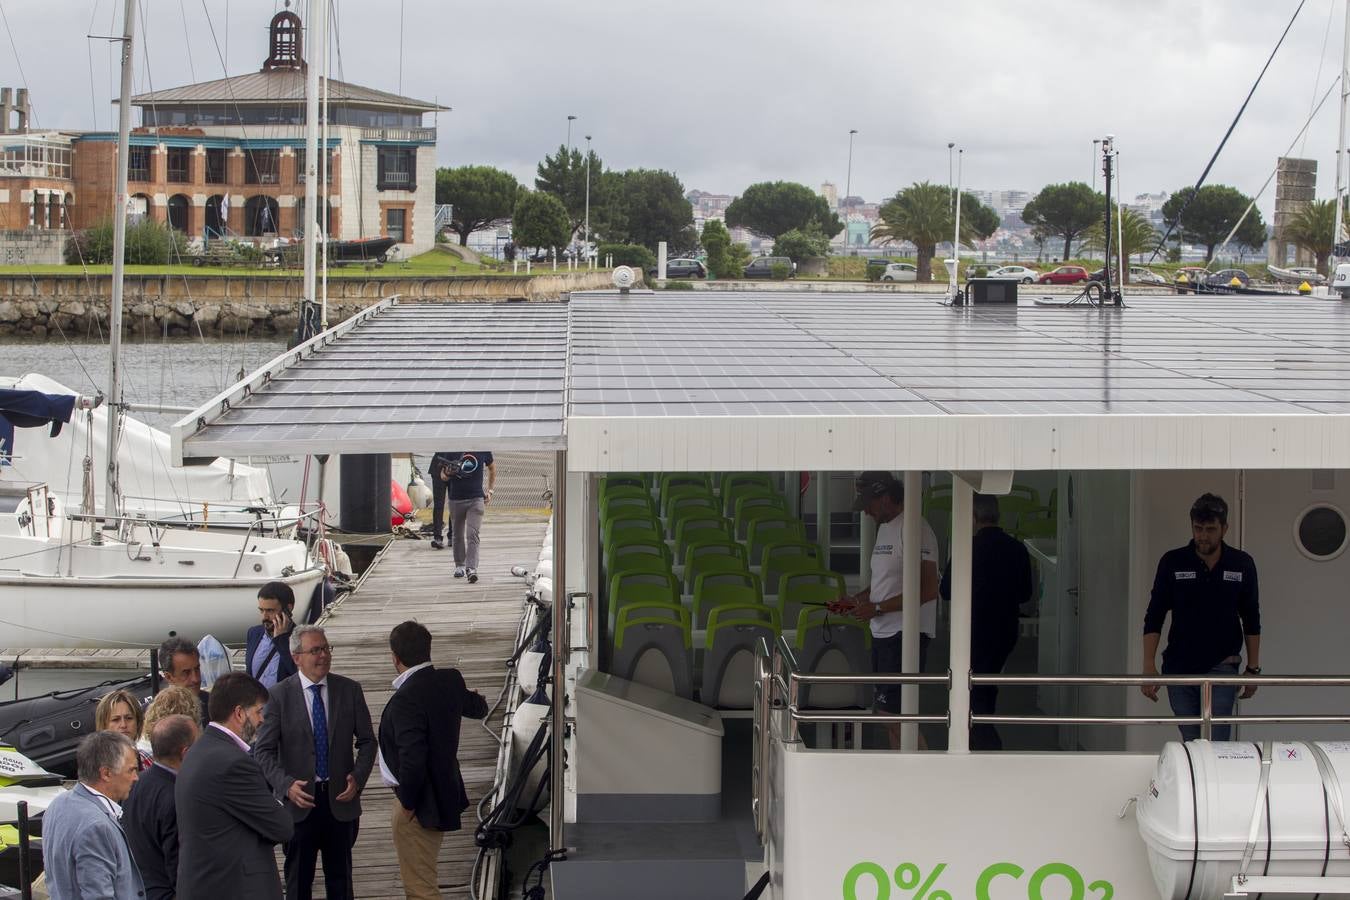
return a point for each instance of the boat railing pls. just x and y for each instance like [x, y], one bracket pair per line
[1206, 719]
[778, 712]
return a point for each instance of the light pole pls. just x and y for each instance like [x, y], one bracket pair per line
[587, 226]
[951, 203]
[570, 120]
[848, 181]
[1095, 145]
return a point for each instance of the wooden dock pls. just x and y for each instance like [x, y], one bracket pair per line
[473, 629]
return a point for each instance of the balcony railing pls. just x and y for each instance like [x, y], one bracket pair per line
[398, 134]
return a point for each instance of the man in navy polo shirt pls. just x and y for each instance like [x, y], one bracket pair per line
[1210, 590]
[468, 496]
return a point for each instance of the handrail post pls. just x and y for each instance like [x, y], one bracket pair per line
[25, 870]
[1206, 709]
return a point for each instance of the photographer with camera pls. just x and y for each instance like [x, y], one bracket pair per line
[439, 469]
[468, 497]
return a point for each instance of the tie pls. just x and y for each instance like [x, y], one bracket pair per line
[320, 735]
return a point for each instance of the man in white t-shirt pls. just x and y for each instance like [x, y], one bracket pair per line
[882, 497]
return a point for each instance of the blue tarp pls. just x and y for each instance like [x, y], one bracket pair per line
[31, 409]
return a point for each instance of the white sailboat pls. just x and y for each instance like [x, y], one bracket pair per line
[108, 579]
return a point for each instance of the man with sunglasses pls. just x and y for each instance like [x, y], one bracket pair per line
[317, 748]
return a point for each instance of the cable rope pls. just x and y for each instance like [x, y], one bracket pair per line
[19, 63]
[1321, 62]
[1229, 133]
[89, 55]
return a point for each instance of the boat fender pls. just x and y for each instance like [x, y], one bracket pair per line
[418, 492]
[544, 569]
[398, 500]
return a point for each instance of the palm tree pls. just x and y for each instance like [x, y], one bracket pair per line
[1137, 232]
[920, 214]
[1312, 228]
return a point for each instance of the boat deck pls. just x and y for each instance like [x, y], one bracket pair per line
[473, 629]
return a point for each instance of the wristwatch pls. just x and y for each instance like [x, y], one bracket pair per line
[1252, 670]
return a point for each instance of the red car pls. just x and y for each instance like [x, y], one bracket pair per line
[1064, 275]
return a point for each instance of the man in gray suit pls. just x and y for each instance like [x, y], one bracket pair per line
[317, 748]
[84, 850]
[228, 820]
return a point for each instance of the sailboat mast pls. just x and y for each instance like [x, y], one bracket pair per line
[317, 39]
[119, 252]
[1337, 229]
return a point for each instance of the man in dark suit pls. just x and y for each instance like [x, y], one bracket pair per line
[149, 815]
[181, 665]
[419, 740]
[267, 651]
[84, 850]
[228, 820]
[317, 748]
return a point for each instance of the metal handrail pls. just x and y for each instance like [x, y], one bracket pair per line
[1206, 720]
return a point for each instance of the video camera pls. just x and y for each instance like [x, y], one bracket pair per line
[463, 466]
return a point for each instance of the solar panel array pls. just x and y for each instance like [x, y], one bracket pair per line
[701, 354]
[425, 376]
[418, 376]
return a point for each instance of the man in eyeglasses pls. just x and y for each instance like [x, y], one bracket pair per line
[317, 748]
[1210, 590]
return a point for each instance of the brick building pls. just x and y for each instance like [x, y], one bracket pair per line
[226, 157]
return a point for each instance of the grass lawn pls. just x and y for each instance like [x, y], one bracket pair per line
[433, 263]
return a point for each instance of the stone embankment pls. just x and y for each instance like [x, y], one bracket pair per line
[231, 306]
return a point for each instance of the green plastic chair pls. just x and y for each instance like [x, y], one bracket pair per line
[731, 480]
[685, 492]
[627, 512]
[757, 513]
[673, 480]
[664, 631]
[624, 479]
[788, 556]
[830, 644]
[630, 539]
[658, 551]
[769, 530]
[807, 589]
[633, 592]
[708, 597]
[695, 504]
[729, 656]
[719, 554]
[750, 497]
[641, 501]
[694, 528]
[707, 585]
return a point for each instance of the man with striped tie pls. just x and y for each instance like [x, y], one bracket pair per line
[317, 748]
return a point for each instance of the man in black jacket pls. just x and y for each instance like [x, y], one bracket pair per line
[441, 472]
[228, 821]
[1000, 582]
[149, 816]
[419, 741]
[267, 647]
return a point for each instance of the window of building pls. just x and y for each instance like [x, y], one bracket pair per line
[300, 168]
[396, 169]
[262, 166]
[261, 216]
[215, 166]
[138, 164]
[180, 165]
[395, 224]
[178, 212]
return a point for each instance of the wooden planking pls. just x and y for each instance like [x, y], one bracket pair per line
[473, 629]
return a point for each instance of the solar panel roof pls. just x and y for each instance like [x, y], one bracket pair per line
[815, 380]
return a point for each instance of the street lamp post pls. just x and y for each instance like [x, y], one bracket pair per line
[587, 226]
[570, 120]
[848, 181]
[951, 191]
[1095, 145]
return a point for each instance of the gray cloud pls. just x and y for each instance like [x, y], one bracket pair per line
[731, 92]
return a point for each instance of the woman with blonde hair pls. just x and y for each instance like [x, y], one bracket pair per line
[120, 712]
[171, 701]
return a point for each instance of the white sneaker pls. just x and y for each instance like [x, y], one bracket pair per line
[459, 571]
[473, 575]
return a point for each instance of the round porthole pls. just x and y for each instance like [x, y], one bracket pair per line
[1320, 532]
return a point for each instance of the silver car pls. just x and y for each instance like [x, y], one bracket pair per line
[1015, 273]
[1140, 275]
[900, 272]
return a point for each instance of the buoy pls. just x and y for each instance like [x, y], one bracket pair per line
[418, 492]
[1305, 288]
[398, 500]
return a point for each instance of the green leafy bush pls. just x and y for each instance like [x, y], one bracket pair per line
[679, 286]
[149, 243]
[798, 244]
[780, 271]
[628, 255]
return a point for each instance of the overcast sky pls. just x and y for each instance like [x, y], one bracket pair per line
[728, 92]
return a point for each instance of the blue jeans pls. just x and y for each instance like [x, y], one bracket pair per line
[1185, 701]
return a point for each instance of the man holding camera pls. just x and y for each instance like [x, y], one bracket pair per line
[440, 486]
[464, 477]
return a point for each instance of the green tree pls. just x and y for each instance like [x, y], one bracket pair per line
[798, 244]
[1065, 210]
[1136, 231]
[564, 176]
[716, 242]
[978, 222]
[1210, 215]
[771, 208]
[1313, 229]
[920, 214]
[647, 206]
[481, 195]
[540, 220]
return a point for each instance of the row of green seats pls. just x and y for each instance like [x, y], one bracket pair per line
[796, 590]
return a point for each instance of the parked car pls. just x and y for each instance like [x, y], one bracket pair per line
[682, 268]
[762, 266]
[1064, 275]
[1141, 275]
[1015, 273]
[1100, 275]
[900, 272]
[1224, 278]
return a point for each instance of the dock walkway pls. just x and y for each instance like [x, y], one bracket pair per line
[473, 629]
